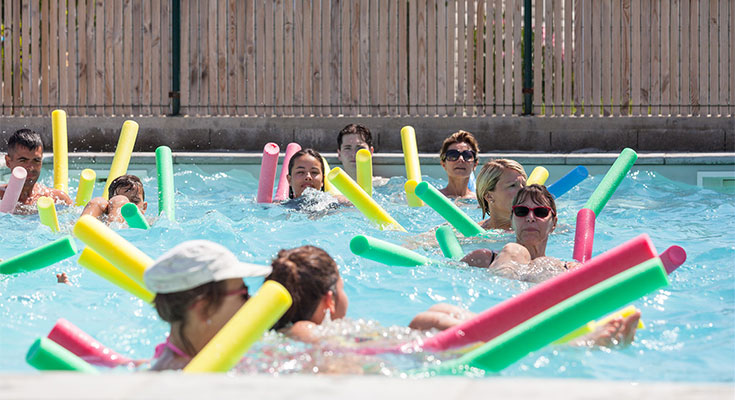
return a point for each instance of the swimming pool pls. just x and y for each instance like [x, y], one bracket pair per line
[689, 325]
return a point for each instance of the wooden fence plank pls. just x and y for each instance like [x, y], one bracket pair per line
[665, 76]
[422, 53]
[100, 83]
[606, 61]
[548, 63]
[558, 75]
[326, 36]
[469, 64]
[694, 68]
[587, 56]
[250, 56]
[460, 97]
[332, 83]
[232, 64]
[374, 57]
[517, 68]
[626, 58]
[185, 31]
[288, 63]
[127, 58]
[393, 62]
[508, 62]
[306, 62]
[412, 56]
[346, 58]
[567, 109]
[635, 71]
[732, 60]
[53, 86]
[704, 55]
[685, 74]
[383, 57]
[714, 51]
[220, 84]
[479, 58]
[577, 57]
[431, 49]
[194, 70]
[36, 58]
[441, 57]
[213, 51]
[538, 57]
[279, 49]
[489, 58]
[675, 41]
[723, 64]
[645, 43]
[147, 61]
[355, 32]
[7, 45]
[118, 96]
[316, 59]
[72, 73]
[61, 38]
[165, 55]
[451, 62]
[137, 53]
[260, 49]
[25, 80]
[655, 93]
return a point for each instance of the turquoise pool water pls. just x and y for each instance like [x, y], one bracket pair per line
[690, 326]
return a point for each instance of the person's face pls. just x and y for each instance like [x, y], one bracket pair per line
[459, 167]
[531, 228]
[340, 308]
[501, 198]
[30, 159]
[350, 145]
[233, 300]
[306, 172]
[135, 194]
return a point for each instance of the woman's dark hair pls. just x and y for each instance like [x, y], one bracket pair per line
[538, 193]
[126, 181]
[301, 153]
[308, 273]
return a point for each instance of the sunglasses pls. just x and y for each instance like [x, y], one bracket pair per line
[539, 212]
[453, 155]
[242, 292]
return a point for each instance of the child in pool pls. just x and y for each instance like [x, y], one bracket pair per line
[306, 172]
[123, 189]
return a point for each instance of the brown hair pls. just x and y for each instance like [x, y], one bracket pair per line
[126, 181]
[306, 152]
[488, 178]
[459, 137]
[354, 129]
[538, 193]
[308, 273]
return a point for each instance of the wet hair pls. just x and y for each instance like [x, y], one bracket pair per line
[27, 138]
[459, 137]
[173, 307]
[538, 194]
[308, 273]
[354, 129]
[126, 181]
[488, 178]
[306, 152]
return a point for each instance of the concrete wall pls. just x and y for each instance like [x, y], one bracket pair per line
[496, 134]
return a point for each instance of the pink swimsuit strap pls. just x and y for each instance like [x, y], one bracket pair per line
[167, 344]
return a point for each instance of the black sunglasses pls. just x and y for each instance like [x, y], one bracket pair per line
[539, 212]
[453, 155]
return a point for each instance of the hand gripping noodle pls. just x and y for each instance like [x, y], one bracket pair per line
[447, 209]
[165, 175]
[40, 257]
[124, 150]
[46, 355]
[564, 317]
[361, 200]
[94, 262]
[411, 159]
[448, 243]
[584, 235]
[386, 253]
[86, 187]
[268, 166]
[79, 343]
[12, 191]
[282, 190]
[244, 328]
[133, 216]
[568, 181]
[61, 150]
[118, 251]
[47, 213]
[538, 176]
[328, 186]
[594, 325]
[364, 164]
[611, 181]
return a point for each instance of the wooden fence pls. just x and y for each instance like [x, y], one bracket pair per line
[368, 57]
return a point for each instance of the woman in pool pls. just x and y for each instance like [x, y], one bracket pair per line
[459, 158]
[199, 287]
[305, 170]
[497, 183]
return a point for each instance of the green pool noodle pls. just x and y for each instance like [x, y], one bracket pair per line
[384, 252]
[47, 355]
[611, 181]
[449, 243]
[563, 318]
[133, 216]
[40, 257]
[447, 209]
[165, 169]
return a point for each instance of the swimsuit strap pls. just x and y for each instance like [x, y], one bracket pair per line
[167, 344]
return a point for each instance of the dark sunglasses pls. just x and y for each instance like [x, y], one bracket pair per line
[539, 212]
[453, 155]
[242, 292]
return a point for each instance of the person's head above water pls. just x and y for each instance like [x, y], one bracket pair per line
[350, 139]
[25, 149]
[305, 169]
[458, 157]
[131, 187]
[533, 208]
[497, 183]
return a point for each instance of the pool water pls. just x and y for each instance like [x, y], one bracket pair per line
[690, 325]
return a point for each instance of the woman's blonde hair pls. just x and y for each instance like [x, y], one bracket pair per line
[488, 178]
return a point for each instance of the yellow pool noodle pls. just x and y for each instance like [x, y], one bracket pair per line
[118, 251]
[248, 324]
[328, 187]
[411, 159]
[367, 206]
[86, 187]
[364, 163]
[538, 176]
[47, 213]
[122, 153]
[593, 325]
[61, 150]
[94, 262]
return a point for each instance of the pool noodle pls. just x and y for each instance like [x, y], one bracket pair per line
[611, 181]
[40, 257]
[673, 257]
[282, 189]
[447, 209]
[47, 355]
[328, 186]
[133, 216]
[123, 151]
[568, 181]
[61, 150]
[118, 251]
[594, 325]
[558, 320]
[86, 187]
[248, 324]
[364, 165]
[367, 206]
[538, 176]
[385, 252]
[411, 159]
[13, 189]
[268, 166]
[584, 235]
[47, 213]
[84, 346]
[448, 243]
[165, 175]
[504, 316]
[94, 262]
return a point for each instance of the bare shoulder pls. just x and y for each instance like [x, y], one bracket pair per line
[303, 331]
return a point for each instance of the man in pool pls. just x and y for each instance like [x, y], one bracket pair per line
[123, 189]
[350, 140]
[25, 149]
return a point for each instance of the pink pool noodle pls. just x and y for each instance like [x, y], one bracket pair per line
[282, 190]
[673, 257]
[584, 235]
[268, 167]
[12, 191]
[84, 346]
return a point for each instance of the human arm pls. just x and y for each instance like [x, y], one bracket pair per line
[60, 196]
[96, 207]
[440, 316]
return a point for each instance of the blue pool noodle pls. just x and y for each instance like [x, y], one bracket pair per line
[568, 181]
